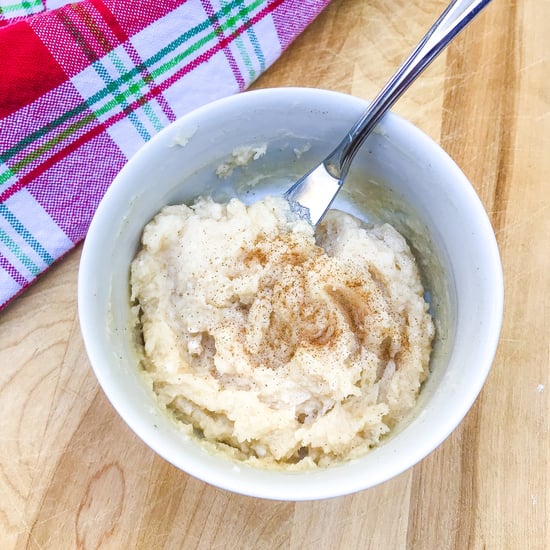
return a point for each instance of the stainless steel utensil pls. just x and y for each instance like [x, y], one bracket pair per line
[312, 195]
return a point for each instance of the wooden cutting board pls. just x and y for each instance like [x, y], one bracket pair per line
[72, 475]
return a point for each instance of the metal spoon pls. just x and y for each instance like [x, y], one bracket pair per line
[312, 195]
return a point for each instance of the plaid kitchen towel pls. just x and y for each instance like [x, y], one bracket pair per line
[84, 85]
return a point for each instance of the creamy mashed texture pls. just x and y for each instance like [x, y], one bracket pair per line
[280, 344]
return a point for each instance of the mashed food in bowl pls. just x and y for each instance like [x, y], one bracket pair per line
[281, 344]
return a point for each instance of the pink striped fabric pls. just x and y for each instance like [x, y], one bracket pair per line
[84, 85]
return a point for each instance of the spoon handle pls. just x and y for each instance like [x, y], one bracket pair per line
[313, 194]
[455, 17]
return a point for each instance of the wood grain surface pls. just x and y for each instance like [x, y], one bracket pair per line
[72, 475]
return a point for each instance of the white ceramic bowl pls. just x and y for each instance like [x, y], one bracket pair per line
[400, 175]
